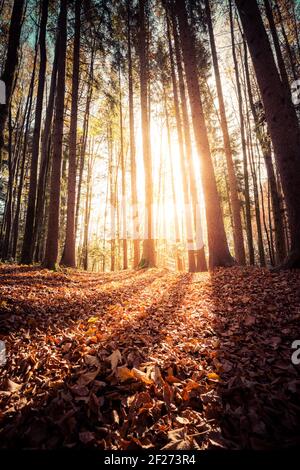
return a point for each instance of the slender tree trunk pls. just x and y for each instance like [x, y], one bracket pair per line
[243, 141]
[287, 44]
[27, 116]
[233, 187]
[123, 172]
[260, 243]
[179, 263]
[219, 254]
[9, 201]
[51, 254]
[45, 157]
[185, 184]
[134, 196]
[69, 256]
[112, 203]
[28, 246]
[200, 251]
[84, 136]
[280, 116]
[148, 256]
[280, 61]
[11, 64]
[87, 212]
[266, 150]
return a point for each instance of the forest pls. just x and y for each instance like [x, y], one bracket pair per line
[149, 224]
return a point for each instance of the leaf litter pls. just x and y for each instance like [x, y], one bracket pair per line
[149, 359]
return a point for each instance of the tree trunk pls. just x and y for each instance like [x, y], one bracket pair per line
[45, 157]
[84, 136]
[219, 254]
[123, 181]
[148, 256]
[243, 141]
[200, 250]
[238, 237]
[280, 61]
[11, 64]
[266, 150]
[51, 254]
[28, 246]
[179, 263]
[183, 167]
[27, 116]
[134, 196]
[69, 256]
[280, 116]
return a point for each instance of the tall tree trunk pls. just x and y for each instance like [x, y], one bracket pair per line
[123, 181]
[260, 243]
[179, 263]
[265, 145]
[87, 212]
[200, 250]
[238, 238]
[28, 246]
[148, 256]
[243, 141]
[45, 158]
[280, 61]
[11, 64]
[9, 198]
[287, 44]
[51, 253]
[27, 115]
[69, 256]
[280, 116]
[219, 254]
[134, 196]
[84, 135]
[183, 164]
[112, 203]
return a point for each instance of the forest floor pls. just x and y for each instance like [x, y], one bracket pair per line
[149, 359]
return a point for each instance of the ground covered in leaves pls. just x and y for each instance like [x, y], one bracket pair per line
[149, 359]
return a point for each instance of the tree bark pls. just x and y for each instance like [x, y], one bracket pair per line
[51, 253]
[201, 264]
[280, 61]
[238, 237]
[265, 145]
[219, 254]
[11, 64]
[243, 142]
[148, 256]
[28, 245]
[69, 256]
[134, 196]
[183, 164]
[281, 119]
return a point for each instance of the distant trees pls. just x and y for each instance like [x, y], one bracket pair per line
[126, 143]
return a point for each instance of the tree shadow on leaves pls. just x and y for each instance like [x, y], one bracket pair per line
[89, 404]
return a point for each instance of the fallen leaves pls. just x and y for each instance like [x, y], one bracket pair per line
[149, 359]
